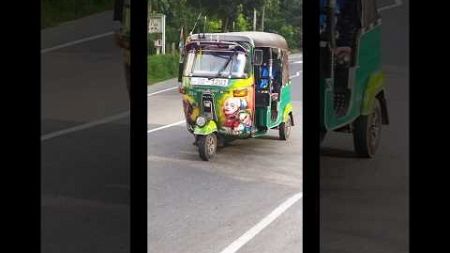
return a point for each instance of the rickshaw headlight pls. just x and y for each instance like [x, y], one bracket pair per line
[240, 92]
[201, 121]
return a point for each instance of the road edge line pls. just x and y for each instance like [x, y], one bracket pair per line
[266, 221]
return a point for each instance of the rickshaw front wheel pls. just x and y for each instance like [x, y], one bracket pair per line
[285, 128]
[367, 132]
[207, 146]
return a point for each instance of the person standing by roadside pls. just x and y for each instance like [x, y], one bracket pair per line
[122, 34]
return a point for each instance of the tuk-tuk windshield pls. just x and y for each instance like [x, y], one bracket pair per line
[231, 64]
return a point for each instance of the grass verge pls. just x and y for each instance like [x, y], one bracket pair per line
[161, 67]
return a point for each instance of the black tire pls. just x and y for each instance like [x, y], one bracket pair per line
[207, 146]
[284, 129]
[367, 132]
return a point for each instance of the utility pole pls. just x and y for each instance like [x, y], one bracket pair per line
[164, 34]
[149, 9]
[254, 19]
[263, 16]
[204, 26]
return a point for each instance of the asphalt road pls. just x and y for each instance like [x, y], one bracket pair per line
[364, 202]
[196, 206]
[85, 162]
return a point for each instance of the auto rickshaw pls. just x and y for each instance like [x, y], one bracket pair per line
[352, 93]
[235, 86]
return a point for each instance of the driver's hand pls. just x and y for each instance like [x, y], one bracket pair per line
[343, 54]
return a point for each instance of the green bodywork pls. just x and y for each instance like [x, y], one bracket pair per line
[368, 82]
[284, 108]
[260, 116]
[287, 111]
[209, 128]
[374, 87]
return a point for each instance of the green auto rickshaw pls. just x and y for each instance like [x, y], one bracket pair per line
[352, 91]
[235, 86]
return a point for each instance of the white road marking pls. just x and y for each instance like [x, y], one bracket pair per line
[296, 75]
[297, 62]
[68, 44]
[165, 126]
[160, 91]
[387, 7]
[251, 233]
[85, 126]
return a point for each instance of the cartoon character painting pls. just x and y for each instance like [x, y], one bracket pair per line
[245, 120]
[237, 117]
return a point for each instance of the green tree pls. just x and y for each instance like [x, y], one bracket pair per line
[281, 16]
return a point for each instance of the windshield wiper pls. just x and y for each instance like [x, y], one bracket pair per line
[218, 74]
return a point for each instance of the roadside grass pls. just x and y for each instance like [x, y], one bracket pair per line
[54, 12]
[161, 67]
[296, 50]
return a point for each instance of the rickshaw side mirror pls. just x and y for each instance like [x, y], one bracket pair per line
[258, 57]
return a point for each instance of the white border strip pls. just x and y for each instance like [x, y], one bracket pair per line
[160, 91]
[296, 75]
[50, 49]
[247, 236]
[166, 126]
[387, 7]
[85, 126]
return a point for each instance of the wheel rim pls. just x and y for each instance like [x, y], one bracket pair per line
[374, 129]
[210, 145]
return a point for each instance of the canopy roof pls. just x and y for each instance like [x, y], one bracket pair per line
[258, 39]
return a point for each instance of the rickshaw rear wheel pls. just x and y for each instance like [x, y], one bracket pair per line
[367, 131]
[284, 129]
[207, 146]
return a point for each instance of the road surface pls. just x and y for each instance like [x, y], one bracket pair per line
[196, 206]
[364, 202]
[85, 140]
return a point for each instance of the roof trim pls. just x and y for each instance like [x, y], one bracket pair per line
[257, 39]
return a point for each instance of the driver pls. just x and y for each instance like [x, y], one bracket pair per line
[264, 81]
[276, 73]
[347, 26]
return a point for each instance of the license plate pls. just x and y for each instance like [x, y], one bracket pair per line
[210, 82]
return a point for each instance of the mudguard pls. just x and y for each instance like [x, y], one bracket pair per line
[209, 128]
[374, 87]
[287, 111]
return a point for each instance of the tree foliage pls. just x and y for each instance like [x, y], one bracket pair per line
[280, 16]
